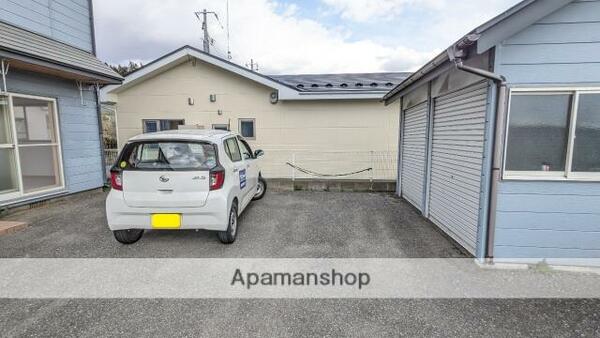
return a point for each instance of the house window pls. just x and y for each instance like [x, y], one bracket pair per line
[248, 128]
[586, 147]
[553, 135]
[30, 153]
[220, 127]
[152, 126]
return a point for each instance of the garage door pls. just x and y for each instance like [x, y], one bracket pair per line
[413, 154]
[456, 163]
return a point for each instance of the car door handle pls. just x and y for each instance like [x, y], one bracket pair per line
[247, 166]
[166, 190]
[235, 170]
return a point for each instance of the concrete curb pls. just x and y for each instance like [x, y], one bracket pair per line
[331, 185]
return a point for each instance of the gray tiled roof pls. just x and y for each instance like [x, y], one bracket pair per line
[343, 82]
[23, 42]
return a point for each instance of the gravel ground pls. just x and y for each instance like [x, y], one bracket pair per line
[283, 225]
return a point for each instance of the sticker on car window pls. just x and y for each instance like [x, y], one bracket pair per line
[242, 179]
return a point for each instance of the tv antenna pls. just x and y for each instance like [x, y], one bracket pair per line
[252, 65]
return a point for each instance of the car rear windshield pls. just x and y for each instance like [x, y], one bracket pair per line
[169, 156]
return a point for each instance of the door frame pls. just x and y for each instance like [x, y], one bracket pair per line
[20, 194]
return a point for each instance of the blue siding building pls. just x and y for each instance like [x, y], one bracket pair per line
[513, 174]
[50, 136]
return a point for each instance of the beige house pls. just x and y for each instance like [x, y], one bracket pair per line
[322, 124]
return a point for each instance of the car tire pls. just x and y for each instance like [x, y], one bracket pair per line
[261, 190]
[228, 236]
[129, 236]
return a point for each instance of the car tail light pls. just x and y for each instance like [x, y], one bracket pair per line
[217, 178]
[116, 180]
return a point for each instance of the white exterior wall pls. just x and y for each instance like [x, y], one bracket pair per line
[325, 136]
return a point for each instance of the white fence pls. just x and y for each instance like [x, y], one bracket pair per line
[310, 164]
[362, 165]
[110, 156]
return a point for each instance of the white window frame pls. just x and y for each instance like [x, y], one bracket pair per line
[217, 125]
[567, 174]
[253, 124]
[158, 127]
[20, 194]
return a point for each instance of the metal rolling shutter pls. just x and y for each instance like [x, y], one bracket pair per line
[457, 161]
[413, 154]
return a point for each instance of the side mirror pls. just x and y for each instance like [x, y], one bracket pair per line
[258, 153]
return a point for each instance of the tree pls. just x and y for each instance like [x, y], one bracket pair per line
[125, 70]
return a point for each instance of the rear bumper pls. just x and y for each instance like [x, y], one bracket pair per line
[212, 216]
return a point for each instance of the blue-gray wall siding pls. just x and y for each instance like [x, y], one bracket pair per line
[551, 219]
[67, 21]
[562, 48]
[78, 126]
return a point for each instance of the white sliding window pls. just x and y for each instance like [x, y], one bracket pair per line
[553, 135]
[30, 154]
[9, 182]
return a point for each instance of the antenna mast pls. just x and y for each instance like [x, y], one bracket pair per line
[229, 57]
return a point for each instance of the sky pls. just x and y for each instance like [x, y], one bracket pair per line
[293, 36]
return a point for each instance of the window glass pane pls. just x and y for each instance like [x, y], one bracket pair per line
[170, 124]
[39, 167]
[227, 151]
[246, 150]
[247, 128]
[34, 120]
[150, 126]
[5, 123]
[234, 150]
[586, 152]
[172, 156]
[8, 171]
[220, 127]
[149, 152]
[538, 132]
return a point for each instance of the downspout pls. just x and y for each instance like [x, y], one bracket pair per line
[456, 53]
[4, 70]
[100, 133]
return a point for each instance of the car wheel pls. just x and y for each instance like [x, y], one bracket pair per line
[261, 189]
[228, 236]
[129, 236]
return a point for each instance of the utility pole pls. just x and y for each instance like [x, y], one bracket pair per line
[206, 41]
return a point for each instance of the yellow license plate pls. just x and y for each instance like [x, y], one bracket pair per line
[166, 221]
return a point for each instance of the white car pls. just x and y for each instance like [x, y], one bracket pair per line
[184, 179]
